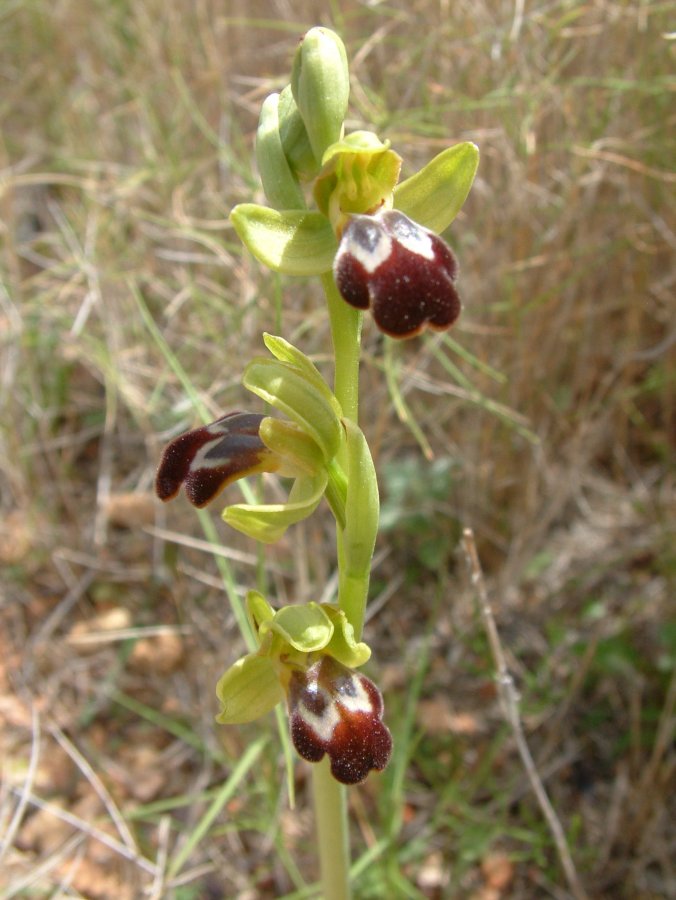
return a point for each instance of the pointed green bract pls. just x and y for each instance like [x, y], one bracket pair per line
[434, 195]
[249, 689]
[292, 242]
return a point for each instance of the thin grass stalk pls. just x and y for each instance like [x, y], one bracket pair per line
[510, 708]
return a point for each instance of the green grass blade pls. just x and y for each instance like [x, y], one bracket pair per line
[237, 775]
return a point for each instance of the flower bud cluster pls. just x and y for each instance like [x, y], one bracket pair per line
[397, 266]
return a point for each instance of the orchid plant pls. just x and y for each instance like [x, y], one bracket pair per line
[338, 212]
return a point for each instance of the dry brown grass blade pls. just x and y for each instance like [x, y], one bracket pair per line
[509, 703]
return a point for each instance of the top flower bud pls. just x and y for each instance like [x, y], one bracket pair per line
[320, 83]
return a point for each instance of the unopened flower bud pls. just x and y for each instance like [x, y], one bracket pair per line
[320, 82]
[279, 181]
[294, 138]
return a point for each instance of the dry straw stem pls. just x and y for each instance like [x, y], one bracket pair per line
[510, 707]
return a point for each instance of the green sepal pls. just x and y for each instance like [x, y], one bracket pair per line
[292, 242]
[258, 609]
[299, 451]
[279, 182]
[320, 82]
[282, 350]
[343, 646]
[305, 627]
[287, 388]
[249, 689]
[294, 137]
[362, 505]
[434, 195]
[267, 522]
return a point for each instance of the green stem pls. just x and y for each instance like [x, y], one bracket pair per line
[332, 833]
[346, 334]
[330, 797]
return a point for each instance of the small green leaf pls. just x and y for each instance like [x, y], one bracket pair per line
[268, 522]
[292, 242]
[306, 627]
[249, 689]
[434, 195]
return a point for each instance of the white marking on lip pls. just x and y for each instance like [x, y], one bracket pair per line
[410, 235]
[200, 460]
[359, 703]
[323, 724]
[420, 244]
[372, 259]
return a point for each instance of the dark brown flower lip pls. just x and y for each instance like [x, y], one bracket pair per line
[338, 711]
[207, 459]
[400, 270]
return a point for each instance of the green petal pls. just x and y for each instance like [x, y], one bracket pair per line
[299, 451]
[286, 387]
[279, 183]
[434, 195]
[268, 522]
[249, 689]
[356, 142]
[343, 645]
[291, 241]
[306, 627]
[358, 176]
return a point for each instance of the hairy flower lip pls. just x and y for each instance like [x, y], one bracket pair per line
[207, 459]
[400, 270]
[338, 711]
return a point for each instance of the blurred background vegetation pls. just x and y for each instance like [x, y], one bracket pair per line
[546, 422]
